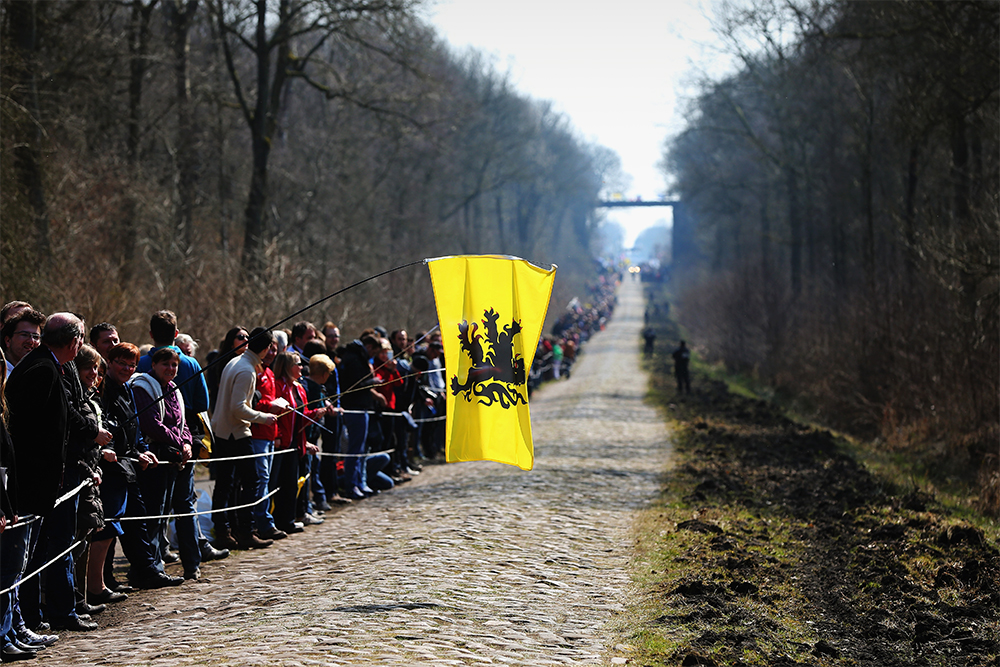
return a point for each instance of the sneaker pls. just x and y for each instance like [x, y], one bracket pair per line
[35, 640]
[310, 520]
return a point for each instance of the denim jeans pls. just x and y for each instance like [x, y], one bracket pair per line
[184, 503]
[357, 433]
[378, 480]
[15, 549]
[157, 488]
[317, 488]
[262, 519]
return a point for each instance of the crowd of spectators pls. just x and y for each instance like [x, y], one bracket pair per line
[99, 441]
[98, 445]
[557, 351]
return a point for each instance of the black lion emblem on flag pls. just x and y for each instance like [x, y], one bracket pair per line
[496, 373]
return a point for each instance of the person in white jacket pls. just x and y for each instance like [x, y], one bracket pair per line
[236, 481]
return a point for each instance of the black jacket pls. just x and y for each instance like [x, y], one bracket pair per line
[83, 426]
[119, 418]
[356, 377]
[39, 415]
[8, 491]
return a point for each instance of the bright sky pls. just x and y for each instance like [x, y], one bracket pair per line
[618, 70]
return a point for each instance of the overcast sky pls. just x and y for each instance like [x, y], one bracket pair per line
[616, 69]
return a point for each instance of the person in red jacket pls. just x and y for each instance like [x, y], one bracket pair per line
[262, 437]
[291, 436]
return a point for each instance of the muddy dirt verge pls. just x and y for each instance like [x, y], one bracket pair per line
[778, 548]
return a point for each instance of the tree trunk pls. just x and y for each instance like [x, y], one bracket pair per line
[23, 30]
[138, 44]
[181, 12]
[910, 212]
[264, 122]
[867, 196]
[795, 226]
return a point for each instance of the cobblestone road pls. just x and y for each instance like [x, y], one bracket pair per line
[468, 564]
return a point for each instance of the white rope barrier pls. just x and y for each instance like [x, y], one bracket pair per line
[203, 513]
[225, 458]
[354, 456]
[25, 520]
[31, 518]
[39, 570]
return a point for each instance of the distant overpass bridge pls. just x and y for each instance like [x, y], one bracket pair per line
[639, 203]
[684, 252]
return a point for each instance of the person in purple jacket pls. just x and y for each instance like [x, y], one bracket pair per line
[161, 420]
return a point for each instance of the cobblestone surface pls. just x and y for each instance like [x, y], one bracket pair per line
[468, 564]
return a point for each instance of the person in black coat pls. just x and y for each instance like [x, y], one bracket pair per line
[39, 414]
[357, 400]
[39, 430]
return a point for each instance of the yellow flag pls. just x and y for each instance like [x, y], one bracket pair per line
[491, 310]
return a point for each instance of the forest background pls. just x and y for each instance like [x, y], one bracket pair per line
[841, 243]
[236, 160]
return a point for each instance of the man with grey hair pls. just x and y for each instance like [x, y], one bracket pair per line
[38, 412]
[39, 430]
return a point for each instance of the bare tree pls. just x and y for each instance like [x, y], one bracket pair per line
[288, 39]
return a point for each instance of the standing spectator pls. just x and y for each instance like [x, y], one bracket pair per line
[289, 467]
[120, 493]
[90, 515]
[389, 382]
[59, 531]
[649, 340]
[20, 335]
[16, 641]
[231, 421]
[302, 333]
[39, 430]
[262, 438]
[682, 357]
[194, 391]
[188, 345]
[332, 468]
[103, 337]
[233, 345]
[357, 400]
[160, 407]
[321, 369]
[433, 382]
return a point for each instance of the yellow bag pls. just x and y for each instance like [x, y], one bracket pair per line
[206, 439]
